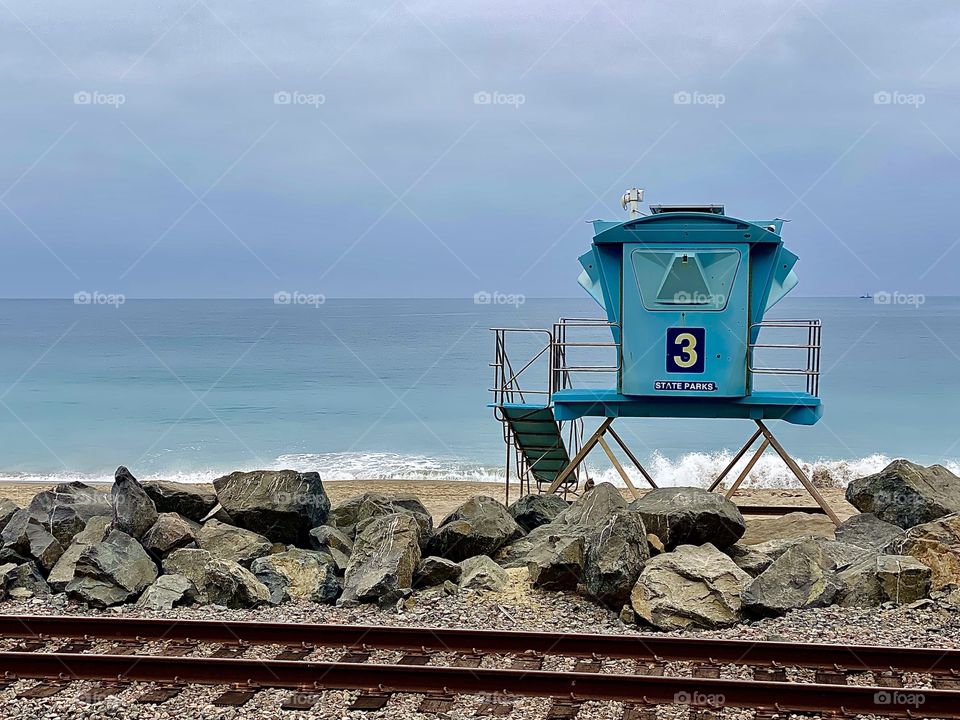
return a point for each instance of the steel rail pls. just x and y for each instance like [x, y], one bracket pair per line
[859, 658]
[786, 697]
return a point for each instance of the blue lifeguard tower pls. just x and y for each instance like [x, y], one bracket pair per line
[685, 290]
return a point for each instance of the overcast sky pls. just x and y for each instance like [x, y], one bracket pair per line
[206, 148]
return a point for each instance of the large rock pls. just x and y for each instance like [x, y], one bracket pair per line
[617, 550]
[327, 539]
[227, 542]
[7, 573]
[532, 511]
[691, 587]
[85, 501]
[907, 494]
[868, 531]
[690, 516]
[64, 570]
[7, 509]
[352, 515]
[114, 571]
[436, 571]
[133, 511]
[170, 532]
[169, 591]
[802, 577]
[191, 501]
[26, 535]
[748, 558]
[884, 578]
[282, 505]
[480, 526]
[557, 563]
[297, 575]
[593, 507]
[482, 573]
[26, 581]
[385, 556]
[190, 562]
[935, 544]
[230, 584]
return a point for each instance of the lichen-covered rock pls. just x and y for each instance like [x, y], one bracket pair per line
[71, 500]
[190, 562]
[133, 511]
[557, 563]
[191, 501]
[436, 571]
[353, 513]
[94, 532]
[230, 584]
[802, 577]
[935, 544]
[690, 516]
[111, 572]
[690, 587]
[906, 494]
[227, 542]
[167, 592]
[385, 556]
[532, 511]
[26, 535]
[480, 526]
[868, 531]
[482, 573]
[327, 539]
[593, 507]
[616, 551]
[170, 532]
[297, 575]
[884, 578]
[282, 505]
[748, 558]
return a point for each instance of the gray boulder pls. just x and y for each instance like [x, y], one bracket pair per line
[482, 573]
[26, 581]
[690, 516]
[748, 558]
[133, 511]
[227, 542]
[900, 579]
[7, 572]
[436, 571]
[690, 587]
[593, 507]
[532, 511]
[480, 526]
[282, 505]
[867, 531]
[114, 571]
[64, 570]
[170, 532]
[557, 562]
[337, 545]
[191, 501]
[803, 577]
[617, 550]
[190, 562]
[935, 544]
[351, 516]
[385, 556]
[167, 592]
[230, 584]
[297, 575]
[7, 509]
[26, 535]
[906, 494]
[85, 501]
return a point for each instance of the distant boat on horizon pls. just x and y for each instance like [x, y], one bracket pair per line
[868, 296]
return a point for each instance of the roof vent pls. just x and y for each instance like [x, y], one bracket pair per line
[710, 209]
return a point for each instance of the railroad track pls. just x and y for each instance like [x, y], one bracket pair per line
[60, 650]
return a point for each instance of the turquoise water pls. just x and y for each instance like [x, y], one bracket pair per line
[397, 388]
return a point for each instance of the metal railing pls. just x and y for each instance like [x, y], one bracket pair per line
[811, 371]
[561, 369]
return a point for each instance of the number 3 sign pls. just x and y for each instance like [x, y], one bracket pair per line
[685, 350]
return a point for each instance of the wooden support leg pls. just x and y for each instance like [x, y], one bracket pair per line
[619, 467]
[746, 471]
[578, 458]
[736, 458]
[795, 469]
[633, 459]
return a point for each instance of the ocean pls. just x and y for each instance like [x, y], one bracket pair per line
[363, 389]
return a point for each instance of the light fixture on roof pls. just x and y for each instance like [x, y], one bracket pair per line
[630, 201]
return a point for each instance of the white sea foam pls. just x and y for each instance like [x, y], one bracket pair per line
[698, 469]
